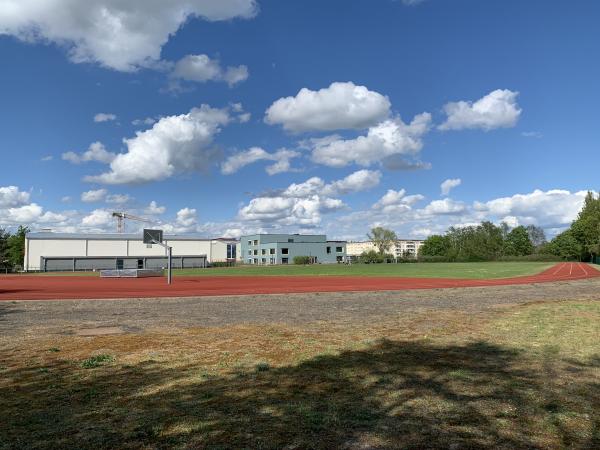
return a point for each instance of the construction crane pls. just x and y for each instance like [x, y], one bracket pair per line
[121, 216]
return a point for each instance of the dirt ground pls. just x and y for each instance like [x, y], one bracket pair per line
[87, 317]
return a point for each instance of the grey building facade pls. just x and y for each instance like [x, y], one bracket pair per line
[267, 249]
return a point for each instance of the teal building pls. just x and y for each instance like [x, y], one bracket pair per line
[265, 249]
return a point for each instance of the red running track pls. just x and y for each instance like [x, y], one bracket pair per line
[24, 287]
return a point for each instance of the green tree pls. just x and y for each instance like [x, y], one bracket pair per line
[517, 242]
[536, 235]
[371, 257]
[483, 242]
[4, 256]
[435, 245]
[16, 247]
[383, 239]
[586, 228]
[566, 245]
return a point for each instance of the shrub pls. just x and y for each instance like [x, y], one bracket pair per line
[434, 259]
[301, 260]
[223, 264]
[96, 361]
[536, 257]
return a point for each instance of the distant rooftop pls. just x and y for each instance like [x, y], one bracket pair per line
[121, 236]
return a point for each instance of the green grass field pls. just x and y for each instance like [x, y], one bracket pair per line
[479, 270]
[418, 270]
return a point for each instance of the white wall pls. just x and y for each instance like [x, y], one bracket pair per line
[35, 249]
[55, 247]
[107, 248]
[190, 248]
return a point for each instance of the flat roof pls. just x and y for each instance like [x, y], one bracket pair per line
[398, 240]
[121, 236]
[281, 234]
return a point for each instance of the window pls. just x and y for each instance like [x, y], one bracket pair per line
[284, 260]
[263, 252]
[328, 250]
[339, 249]
[231, 252]
[249, 260]
[271, 251]
[339, 258]
[255, 260]
[255, 252]
[272, 261]
[249, 252]
[140, 263]
[285, 251]
[249, 242]
[255, 242]
[263, 260]
[290, 240]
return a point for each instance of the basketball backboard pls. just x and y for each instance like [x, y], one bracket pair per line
[153, 236]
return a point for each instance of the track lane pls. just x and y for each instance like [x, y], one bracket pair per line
[25, 287]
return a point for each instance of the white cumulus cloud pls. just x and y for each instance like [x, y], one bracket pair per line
[549, 209]
[391, 137]
[146, 121]
[358, 181]
[304, 204]
[96, 152]
[498, 109]
[153, 209]
[98, 218]
[93, 196]
[397, 201]
[445, 207]
[104, 117]
[239, 160]
[122, 35]
[340, 106]
[201, 68]
[11, 196]
[118, 199]
[175, 144]
[449, 184]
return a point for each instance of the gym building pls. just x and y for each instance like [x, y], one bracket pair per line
[266, 249]
[47, 252]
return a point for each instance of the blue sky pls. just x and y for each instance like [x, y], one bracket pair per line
[319, 116]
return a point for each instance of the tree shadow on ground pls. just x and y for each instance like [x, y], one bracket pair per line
[391, 395]
[7, 308]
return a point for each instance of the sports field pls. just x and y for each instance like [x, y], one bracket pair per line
[477, 270]
[474, 270]
[65, 287]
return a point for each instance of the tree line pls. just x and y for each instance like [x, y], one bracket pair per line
[487, 241]
[12, 248]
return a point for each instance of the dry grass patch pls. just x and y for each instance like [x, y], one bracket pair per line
[522, 377]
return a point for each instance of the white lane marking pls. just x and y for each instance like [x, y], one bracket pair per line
[571, 270]
[558, 269]
[582, 266]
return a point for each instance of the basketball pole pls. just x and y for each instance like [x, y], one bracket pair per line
[169, 264]
[156, 237]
